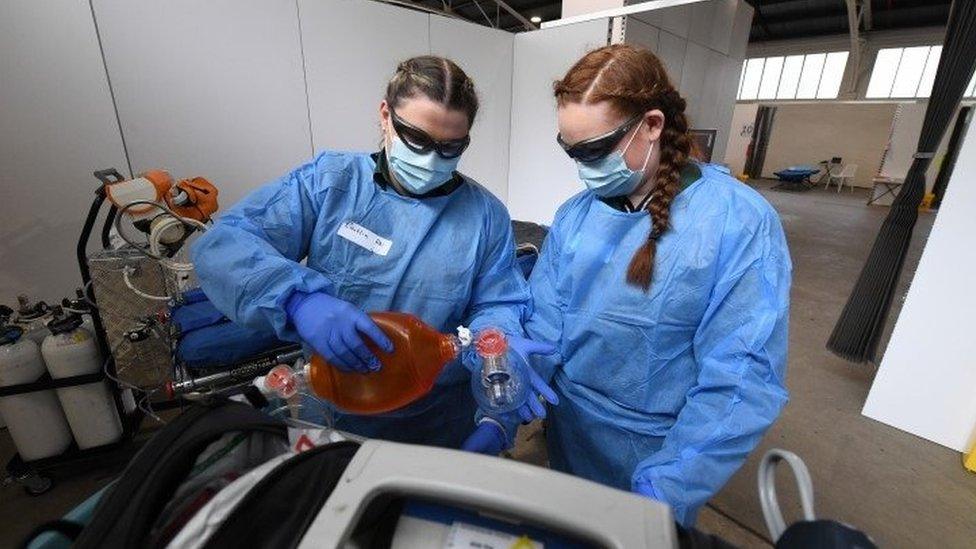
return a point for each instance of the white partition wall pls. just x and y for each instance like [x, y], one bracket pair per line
[345, 111]
[241, 91]
[926, 384]
[352, 49]
[541, 176]
[486, 55]
[214, 88]
[57, 126]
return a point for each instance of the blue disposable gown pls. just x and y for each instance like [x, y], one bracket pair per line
[451, 262]
[673, 387]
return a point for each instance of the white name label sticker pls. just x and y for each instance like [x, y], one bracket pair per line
[365, 238]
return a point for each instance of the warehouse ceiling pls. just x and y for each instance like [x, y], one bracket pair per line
[774, 19]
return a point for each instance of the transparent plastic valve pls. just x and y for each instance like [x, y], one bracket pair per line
[284, 382]
[500, 387]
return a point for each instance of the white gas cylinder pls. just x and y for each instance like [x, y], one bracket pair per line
[70, 351]
[35, 420]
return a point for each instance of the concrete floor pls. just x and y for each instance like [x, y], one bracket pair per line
[902, 490]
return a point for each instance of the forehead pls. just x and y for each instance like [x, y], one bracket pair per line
[434, 118]
[580, 121]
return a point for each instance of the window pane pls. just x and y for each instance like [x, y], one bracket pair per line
[810, 77]
[883, 73]
[750, 84]
[742, 76]
[833, 73]
[790, 78]
[770, 79]
[928, 75]
[910, 71]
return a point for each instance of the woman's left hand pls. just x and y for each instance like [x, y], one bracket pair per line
[539, 391]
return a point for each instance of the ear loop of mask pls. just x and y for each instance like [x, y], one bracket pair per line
[388, 134]
[640, 205]
[632, 136]
[650, 149]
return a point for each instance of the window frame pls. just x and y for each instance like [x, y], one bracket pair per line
[779, 84]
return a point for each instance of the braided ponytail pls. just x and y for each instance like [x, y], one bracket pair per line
[634, 81]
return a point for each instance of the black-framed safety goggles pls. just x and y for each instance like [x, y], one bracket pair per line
[596, 148]
[420, 142]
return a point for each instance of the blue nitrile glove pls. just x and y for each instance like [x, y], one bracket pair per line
[539, 389]
[334, 329]
[488, 438]
[646, 489]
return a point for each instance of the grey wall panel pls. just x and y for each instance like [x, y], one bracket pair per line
[211, 88]
[725, 105]
[677, 20]
[701, 22]
[655, 18]
[704, 62]
[541, 176]
[671, 50]
[352, 49]
[713, 104]
[57, 126]
[487, 56]
[692, 84]
[713, 23]
[641, 34]
[712, 97]
[741, 26]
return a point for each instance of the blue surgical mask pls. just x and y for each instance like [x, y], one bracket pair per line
[610, 175]
[419, 173]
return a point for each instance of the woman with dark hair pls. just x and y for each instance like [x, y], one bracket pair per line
[665, 285]
[396, 230]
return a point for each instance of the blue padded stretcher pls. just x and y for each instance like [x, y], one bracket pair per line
[209, 340]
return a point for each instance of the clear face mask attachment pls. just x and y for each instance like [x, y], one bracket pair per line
[500, 384]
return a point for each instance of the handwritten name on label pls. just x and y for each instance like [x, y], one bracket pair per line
[365, 238]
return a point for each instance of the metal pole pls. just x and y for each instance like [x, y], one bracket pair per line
[529, 25]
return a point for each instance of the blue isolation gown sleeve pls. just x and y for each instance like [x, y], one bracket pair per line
[248, 263]
[546, 322]
[740, 347]
[499, 292]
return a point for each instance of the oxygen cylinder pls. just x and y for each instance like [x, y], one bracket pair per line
[35, 420]
[69, 351]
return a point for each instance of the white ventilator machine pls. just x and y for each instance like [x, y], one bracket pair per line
[465, 500]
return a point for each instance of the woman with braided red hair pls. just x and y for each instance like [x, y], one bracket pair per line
[665, 286]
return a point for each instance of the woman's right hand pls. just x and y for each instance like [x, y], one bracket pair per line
[334, 329]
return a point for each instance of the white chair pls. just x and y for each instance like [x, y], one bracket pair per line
[845, 175]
